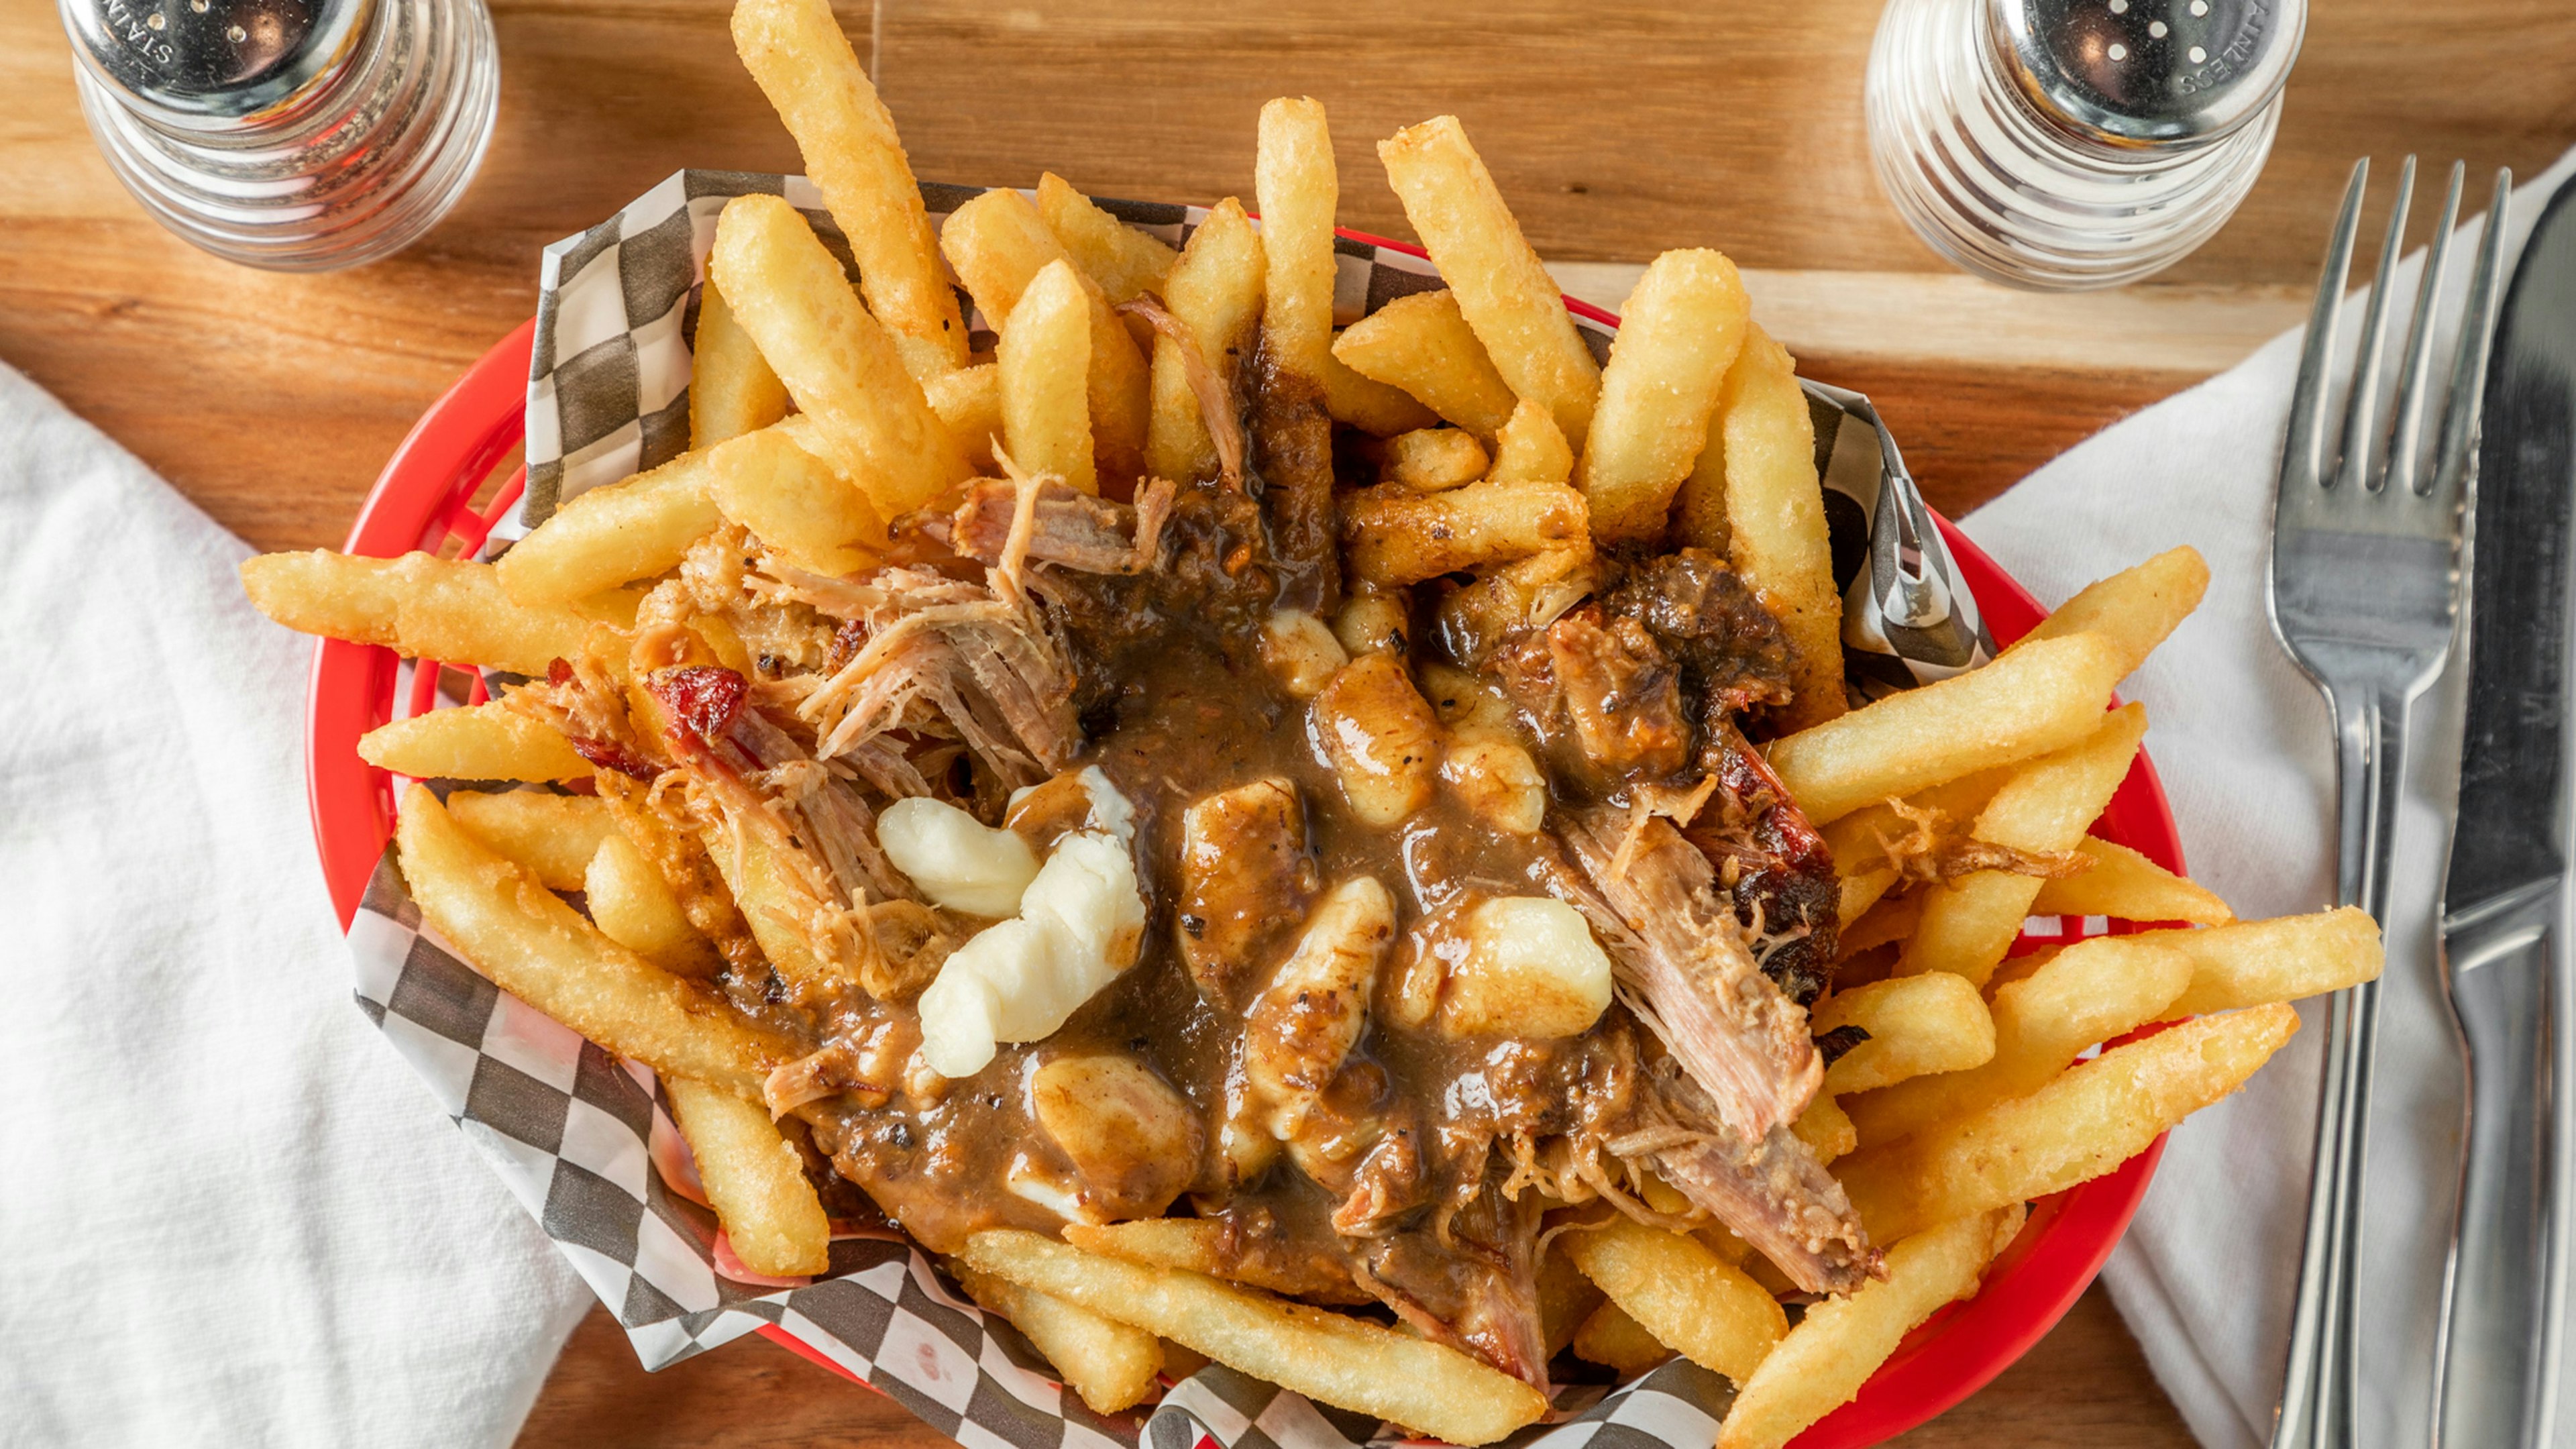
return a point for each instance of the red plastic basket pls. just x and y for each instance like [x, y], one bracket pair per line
[427, 499]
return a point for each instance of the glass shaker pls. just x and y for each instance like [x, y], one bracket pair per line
[296, 135]
[2066, 144]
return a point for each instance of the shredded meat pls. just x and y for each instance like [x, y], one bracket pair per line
[1938, 850]
[1292, 455]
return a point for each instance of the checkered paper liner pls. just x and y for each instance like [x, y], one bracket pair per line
[586, 1142]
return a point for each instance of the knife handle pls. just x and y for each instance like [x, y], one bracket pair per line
[2505, 1283]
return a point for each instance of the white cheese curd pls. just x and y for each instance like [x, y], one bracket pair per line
[957, 860]
[1531, 969]
[1080, 923]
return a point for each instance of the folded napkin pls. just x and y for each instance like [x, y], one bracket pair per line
[2209, 1271]
[232, 1215]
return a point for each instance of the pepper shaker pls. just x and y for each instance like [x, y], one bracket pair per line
[2063, 144]
[296, 135]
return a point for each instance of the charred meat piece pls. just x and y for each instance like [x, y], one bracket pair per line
[1732, 653]
[1604, 701]
[1292, 455]
[1681, 956]
[1772, 864]
[1245, 877]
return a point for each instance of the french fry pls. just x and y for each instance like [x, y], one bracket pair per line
[1613, 1339]
[554, 836]
[2086, 1122]
[1044, 356]
[1967, 926]
[1111, 1365]
[2091, 992]
[1916, 1025]
[969, 404]
[731, 389]
[1861, 893]
[473, 742]
[1503, 291]
[1423, 345]
[1888, 921]
[1859, 840]
[2135, 608]
[540, 950]
[1332, 1359]
[1678, 336]
[1826, 1129]
[613, 534]
[2040, 699]
[754, 1179]
[775, 902]
[794, 502]
[998, 243]
[1297, 188]
[1705, 1308]
[838, 362]
[2126, 886]
[1530, 449]
[632, 905]
[796, 52]
[1216, 293]
[1823, 1362]
[1430, 460]
[1763, 444]
[1395, 536]
[1123, 262]
[2251, 963]
[416, 605]
[1565, 1298]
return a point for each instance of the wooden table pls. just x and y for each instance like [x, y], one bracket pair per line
[1616, 129]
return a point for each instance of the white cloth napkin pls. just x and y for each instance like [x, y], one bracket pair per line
[2208, 1273]
[232, 1215]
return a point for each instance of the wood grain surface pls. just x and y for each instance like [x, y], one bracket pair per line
[1616, 129]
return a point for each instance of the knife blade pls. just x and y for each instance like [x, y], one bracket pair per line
[2505, 894]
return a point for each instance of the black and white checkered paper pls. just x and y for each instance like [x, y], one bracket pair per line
[586, 1141]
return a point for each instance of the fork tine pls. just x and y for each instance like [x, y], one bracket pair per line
[2458, 451]
[2361, 406]
[2406, 428]
[2302, 447]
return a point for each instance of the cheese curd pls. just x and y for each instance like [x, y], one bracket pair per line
[1520, 966]
[957, 860]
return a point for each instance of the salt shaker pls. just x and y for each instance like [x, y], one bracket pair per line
[296, 135]
[2068, 144]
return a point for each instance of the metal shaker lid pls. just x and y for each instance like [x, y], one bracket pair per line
[215, 58]
[2129, 73]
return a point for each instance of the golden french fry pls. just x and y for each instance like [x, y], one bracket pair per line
[416, 605]
[1683, 1294]
[1530, 449]
[754, 1179]
[1565, 1298]
[2250, 963]
[776, 901]
[1423, 345]
[532, 945]
[838, 362]
[794, 502]
[1826, 1129]
[2081, 1125]
[1395, 536]
[1888, 920]
[1753, 496]
[1325, 1356]
[1044, 356]
[1428, 460]
[554, 836]
[1859, 841]
[1503, 291]
[632, 905]
[612, 535]
[1125, 263]
[473, 742]
[1967, 926]
[1678, 336]
[1834, 1349]
[2090, 992]
[969, 404]
[731, 389]
[1111, 1365]
[2135, 608]
[1216, 293]
[1862, 893]
[2039, 699]
[998, 243]
[1916, 1025]
[1297, 188]
[2126, 886]
[796, 52]
[1608, 1336]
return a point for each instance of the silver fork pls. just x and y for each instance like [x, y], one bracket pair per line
[2365, 595]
